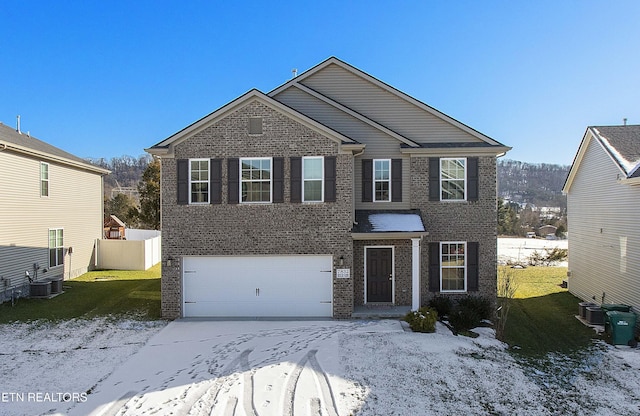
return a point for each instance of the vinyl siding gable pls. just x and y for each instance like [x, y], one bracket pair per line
[604, 233]
[384, 107]
[74, 204]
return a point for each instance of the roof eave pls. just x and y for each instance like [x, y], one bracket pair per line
[457, 151]
[165, 147]
[630, 181]
[52, 158]
[389, 235]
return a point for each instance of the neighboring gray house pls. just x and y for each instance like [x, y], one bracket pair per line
[603, 195]
[50, 212]
[333, 192]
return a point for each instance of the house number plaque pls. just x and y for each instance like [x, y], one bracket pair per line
[343, 273]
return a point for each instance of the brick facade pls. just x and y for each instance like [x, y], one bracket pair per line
[256, 229]
[318, 119]
[459, 221]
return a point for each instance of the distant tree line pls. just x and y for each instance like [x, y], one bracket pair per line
[132, 190]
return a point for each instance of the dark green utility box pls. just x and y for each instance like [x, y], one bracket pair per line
[606, 307]
[622, 326]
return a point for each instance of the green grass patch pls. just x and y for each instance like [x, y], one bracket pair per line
[118, 293]
[542, 315]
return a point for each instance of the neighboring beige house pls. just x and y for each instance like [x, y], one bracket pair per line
[50, 212]
[603, 196]
[332, 193]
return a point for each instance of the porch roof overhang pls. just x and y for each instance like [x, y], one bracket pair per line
[388, 225]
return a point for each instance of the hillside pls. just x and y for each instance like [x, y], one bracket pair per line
[539, 184]
[126, 172]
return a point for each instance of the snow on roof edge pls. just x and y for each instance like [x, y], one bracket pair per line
[386, 222]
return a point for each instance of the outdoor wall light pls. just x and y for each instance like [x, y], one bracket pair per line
[341, 260]
[169, 261]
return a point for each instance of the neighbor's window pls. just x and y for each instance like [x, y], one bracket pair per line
[255, 180]
[453, 267]
[453, 179]
[312, 179]
[199, 181]
[56, 250]
[44, 179]
[381, 180]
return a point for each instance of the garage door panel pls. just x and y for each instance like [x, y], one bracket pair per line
[247, 286]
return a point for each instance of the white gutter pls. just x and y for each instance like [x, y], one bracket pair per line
[50, 157]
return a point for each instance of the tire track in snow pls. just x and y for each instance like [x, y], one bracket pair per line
[310, 362]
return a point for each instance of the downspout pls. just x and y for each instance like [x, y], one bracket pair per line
[353, 188]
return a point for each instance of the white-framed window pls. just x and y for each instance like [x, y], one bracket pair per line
[382, 180]
[313, 179]
[44, 179]
[453, 179]
[453, 266]
[56, 247]
[199, 181]
[255, 179]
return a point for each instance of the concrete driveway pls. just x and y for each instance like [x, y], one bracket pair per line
[236, 368]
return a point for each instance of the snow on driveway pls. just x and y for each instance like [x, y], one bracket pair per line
[324, 368]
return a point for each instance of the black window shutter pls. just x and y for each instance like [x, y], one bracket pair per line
[434, 267]
[233, 180]
[216, 181]
[330, 179]
[296, 179]
[278, 179]
[367, 180]
[183, 181]
[472, 267]
[434, 179]
[472, 179]
[396, 180]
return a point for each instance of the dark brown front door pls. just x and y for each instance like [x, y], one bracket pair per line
[379, 274]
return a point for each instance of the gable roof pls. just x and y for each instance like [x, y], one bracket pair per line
[10, 139]
[621, 143]
[407, 143]
[165, 147]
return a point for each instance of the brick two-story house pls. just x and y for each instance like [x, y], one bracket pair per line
[331, 192]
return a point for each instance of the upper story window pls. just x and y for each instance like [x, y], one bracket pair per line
[453, 179]
[56, 247]
[44, 179]
[199, 181]
[255, 179]
[313, 179]
[453, 267]
[381, 180]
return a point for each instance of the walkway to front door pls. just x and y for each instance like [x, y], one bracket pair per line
[379, 274]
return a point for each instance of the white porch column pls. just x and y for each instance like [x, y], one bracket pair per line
[415, 274]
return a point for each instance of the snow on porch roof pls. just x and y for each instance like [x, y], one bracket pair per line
[397, 224]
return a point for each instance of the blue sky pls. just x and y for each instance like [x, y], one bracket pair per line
[109, 78]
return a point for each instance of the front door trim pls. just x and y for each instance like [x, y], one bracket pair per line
[393, 272]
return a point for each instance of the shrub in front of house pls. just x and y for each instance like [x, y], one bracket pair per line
[422, 320]
[469, 313]
[481, 305]
[442, 305]
[464, 318]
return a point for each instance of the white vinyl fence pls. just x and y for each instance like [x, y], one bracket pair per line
[140, 251]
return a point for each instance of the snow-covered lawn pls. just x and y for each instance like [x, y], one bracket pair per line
[297, 368]
[518, 250]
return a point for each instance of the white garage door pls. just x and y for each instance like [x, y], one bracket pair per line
[256, 286]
